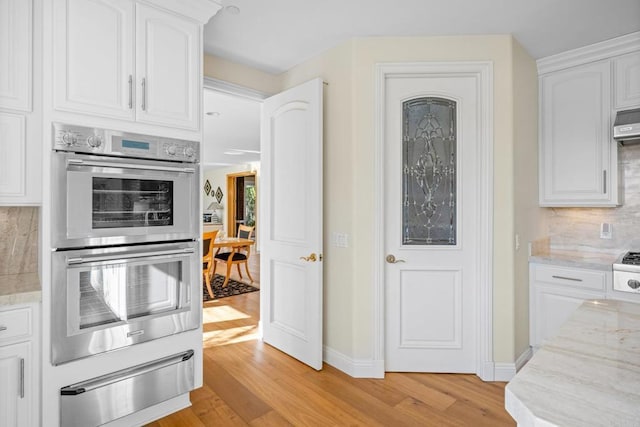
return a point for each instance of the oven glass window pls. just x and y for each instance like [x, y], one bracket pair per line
[121, 202]
[113, 293]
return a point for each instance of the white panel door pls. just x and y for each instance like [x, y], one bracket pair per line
[15, 54]
[13, 178]
[167, 67]
[291, 229]
[431, 199]
[93, 57]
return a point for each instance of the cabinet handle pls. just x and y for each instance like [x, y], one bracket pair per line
[567, 278]
[3, 328]
[604, 181]
[130, 91]
[21, 378]
[144, 94]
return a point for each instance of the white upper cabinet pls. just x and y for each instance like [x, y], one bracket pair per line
[15, 54]
[627, 81]
[578, 159]
[167, 66]
[93, 57]
[13, 178]
[124, 60]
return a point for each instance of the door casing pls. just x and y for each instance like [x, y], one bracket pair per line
[231, 195]
[483, 72]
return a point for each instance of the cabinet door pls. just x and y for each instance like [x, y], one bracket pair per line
[15, 54]
[12, 156]
[93, 57]
[15, 399]
[627, 81]
[578, 160]
[551, 306]
[168, 69]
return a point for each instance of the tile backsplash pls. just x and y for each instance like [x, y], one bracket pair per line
[578, 229]
[18, 240]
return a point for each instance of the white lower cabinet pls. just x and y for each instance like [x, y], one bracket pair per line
[555, 292]
[19, 389]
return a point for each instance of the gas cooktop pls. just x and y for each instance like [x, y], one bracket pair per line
[626, 273]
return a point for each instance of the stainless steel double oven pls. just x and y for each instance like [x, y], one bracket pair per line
[125, 233]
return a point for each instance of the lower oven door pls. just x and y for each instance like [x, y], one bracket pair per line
[99, 200]
[109, 298]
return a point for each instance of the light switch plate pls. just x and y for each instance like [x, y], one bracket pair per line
[340, 240]
[606, 230]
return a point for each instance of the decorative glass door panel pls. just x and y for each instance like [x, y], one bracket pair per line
[119, 202]
[429, 187]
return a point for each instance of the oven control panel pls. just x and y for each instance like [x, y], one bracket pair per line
[122, 144]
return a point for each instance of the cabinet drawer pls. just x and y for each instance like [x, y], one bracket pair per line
[576, 278]
[15, 324]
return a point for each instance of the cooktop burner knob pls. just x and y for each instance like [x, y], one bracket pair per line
[171, 150]
[633, 284]
[94, 141]
[189, 152]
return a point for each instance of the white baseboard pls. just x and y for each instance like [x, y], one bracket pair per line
[363, 368]
[366, 368]
[506, 371]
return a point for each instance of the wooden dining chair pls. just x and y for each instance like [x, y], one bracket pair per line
[208, 265]
[240, 256]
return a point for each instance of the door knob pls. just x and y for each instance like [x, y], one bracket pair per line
[391, 259]
[310, 258]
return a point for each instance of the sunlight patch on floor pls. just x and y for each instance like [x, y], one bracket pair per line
[230, 336]
[222, 313]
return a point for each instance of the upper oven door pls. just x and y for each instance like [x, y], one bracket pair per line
[107, 201]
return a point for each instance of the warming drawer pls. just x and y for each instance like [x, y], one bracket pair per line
[103, 399]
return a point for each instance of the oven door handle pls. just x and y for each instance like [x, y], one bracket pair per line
[95, 383]
[77, 261]
[80, 162]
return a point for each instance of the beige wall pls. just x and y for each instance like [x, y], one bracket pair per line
[242, 75]
[529, 218]
[349, 127]
[217, 177]
[335, 68]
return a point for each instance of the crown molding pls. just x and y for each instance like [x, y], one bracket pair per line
[595, 52]
[198, 10]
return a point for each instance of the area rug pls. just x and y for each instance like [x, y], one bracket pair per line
[233, 288]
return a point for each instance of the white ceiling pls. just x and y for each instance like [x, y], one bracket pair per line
[234, 126]
[275, 35]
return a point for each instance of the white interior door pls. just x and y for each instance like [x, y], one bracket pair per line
[431, 222]
[291, 227]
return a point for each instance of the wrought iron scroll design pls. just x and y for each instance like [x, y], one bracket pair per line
[429, 152]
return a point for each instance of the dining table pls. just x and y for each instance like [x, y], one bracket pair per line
[235, 243]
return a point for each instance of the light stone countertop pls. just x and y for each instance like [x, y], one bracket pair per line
[588, 375]
[19, 288]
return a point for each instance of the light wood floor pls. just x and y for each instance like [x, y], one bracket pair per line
[249, 383]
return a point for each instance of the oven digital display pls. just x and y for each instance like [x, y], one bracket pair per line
[138, 145]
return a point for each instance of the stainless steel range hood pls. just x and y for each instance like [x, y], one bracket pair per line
[626, 128]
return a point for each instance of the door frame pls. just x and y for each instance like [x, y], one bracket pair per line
[482, 71]
[231, 194]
